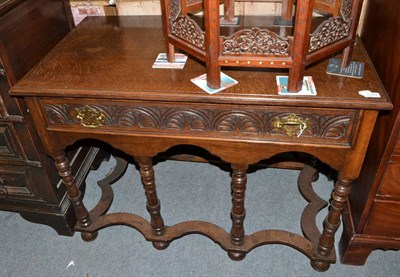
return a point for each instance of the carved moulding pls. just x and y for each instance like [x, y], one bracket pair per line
[255, 41]
[330, 31]
[176, 9]
[187, 29]
[250, 123]
[262, 41]
[346, 8]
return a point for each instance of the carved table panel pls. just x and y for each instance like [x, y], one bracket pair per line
[264, 123]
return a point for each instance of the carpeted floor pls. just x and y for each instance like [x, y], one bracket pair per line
[188, 191]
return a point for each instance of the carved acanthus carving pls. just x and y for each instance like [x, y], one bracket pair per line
[332, 127]
[239, 121]
[330, 31]
[190, 120]
[59, 114]
[255, 41]
[208, 121]
[188, 30]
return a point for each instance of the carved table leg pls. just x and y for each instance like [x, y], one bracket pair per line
[238, 213]
[74, 195]
[153, 204]
[332, 222]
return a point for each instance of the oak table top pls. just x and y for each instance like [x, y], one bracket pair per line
[102, 58]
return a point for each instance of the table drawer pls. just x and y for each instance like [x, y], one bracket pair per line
[16, 182]
[397, 147]
[332, 126]
[8, 147]
[384, 219]
[390, 185]
[8, 105]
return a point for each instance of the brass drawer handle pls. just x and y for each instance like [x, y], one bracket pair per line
[90, 117]
[291, 124]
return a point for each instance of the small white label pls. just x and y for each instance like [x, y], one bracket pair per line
[369, 94]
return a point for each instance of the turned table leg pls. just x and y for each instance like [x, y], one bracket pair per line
[332, 222]
[74, 195]
[153, 204]
[238, 213]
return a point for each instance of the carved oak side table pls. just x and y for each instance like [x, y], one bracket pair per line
[98, 84]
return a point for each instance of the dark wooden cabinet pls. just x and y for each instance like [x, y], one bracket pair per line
[373, 219]
[29, 183]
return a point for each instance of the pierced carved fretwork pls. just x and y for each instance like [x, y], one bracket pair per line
[176, 9]
[329, 31]
[188, 30]
[345, 9]
[208, 121]
[255, 41]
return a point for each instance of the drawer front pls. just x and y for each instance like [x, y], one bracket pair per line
[20, 145]
[16, 183]
[8, 143]
[8, 104]
[397, 148]
[245, 122]
[4, 88]
[384, 219]
[390, 185]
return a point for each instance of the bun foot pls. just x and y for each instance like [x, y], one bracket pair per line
[160, 245]
[320, 266]
[89, 236]
[236, 256]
